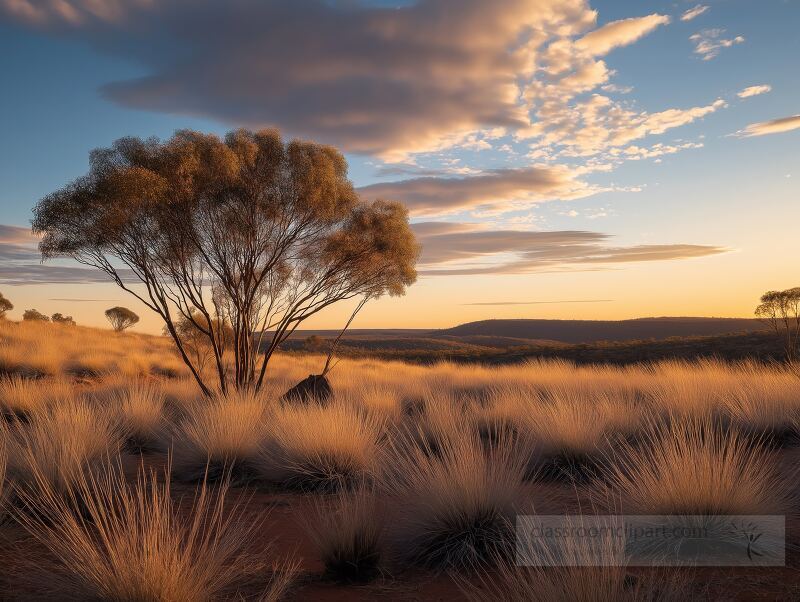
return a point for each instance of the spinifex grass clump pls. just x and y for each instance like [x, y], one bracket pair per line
[315, 447]
[693, 466]
[347, 531]
[220, 437]
[437, 418]
[500, 417]
[582, 575]
[61, 445]
[457, 506]
[3, 468]
[141, 409]
[765, 406]
[133, 543]
[571, 430]
[21, 397]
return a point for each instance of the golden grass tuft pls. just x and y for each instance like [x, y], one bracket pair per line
[766, 406]
[321, 447]
[220, 436]
[347, 531]
[693, 466]
[3, 470]
[21, 397]
[571, 430]
[571, 580]
[457, 505]
[61, 444]
[130, 543]
[141, 412]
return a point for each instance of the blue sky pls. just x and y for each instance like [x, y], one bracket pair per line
[688, 213]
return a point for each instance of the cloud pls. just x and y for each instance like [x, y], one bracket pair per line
[17, 244]
[774, 126]
[501, 189]
[390, 82]
[464, 249]
[635, 153]
[754, 91]
[619, 33]
[407, 84]
[599, 124]
[385, 81]
[709, 42]
[694, 12]
[20, 262]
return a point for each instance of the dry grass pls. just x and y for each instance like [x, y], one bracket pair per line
[141, 411]
[21, 397]
[61, 444]
[3, 467]
[220, 437]
[317, 447]
[692, 466]
[766, 406]
[571, 430]
[34, 350]
[129, 543]
[438, 417]
[457, 505]
[347, 531]
[511, 583]
[445, 450]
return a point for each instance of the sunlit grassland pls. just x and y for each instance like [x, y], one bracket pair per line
[407, 467]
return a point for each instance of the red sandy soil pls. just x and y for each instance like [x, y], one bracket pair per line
[26, 568]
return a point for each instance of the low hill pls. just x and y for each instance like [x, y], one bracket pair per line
[592, 331]
[759, 346]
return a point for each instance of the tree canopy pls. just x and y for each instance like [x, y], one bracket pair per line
[249, 231]
[121, 318]
[781, 311]
[33, 315]
[5, 306]
[59, 318]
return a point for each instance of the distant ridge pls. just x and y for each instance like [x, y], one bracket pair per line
[591, 331]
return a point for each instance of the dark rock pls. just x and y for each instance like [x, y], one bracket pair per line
[314, 388]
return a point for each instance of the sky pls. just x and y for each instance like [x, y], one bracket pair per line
[559, 158]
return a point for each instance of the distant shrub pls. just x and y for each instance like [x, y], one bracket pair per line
[5, 306]
[315, 344]
[32, 315]
[58, 318]
[121, 318]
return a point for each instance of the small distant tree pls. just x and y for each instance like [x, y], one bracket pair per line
[314, 343]
[781, 311]
[121, 318]
[32, 315]
[249, 231]
[5, 306]
[58, 318]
